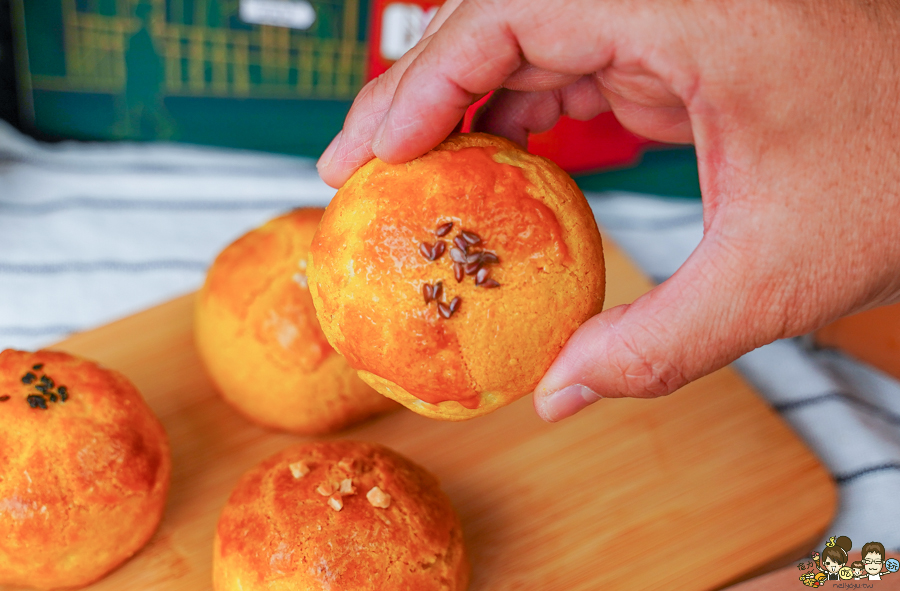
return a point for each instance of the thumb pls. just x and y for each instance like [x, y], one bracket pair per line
[697, 321]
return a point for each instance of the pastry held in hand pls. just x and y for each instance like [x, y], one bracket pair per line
[257, 334]
[339, 515]
[84, 470]
[451, 282]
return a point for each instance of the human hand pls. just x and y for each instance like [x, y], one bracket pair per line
[792, 106]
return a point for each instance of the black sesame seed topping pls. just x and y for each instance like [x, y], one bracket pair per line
[28, 378]
[38, 366]
[63, 393]
[37, 402]
[4, 398]
[53, 397]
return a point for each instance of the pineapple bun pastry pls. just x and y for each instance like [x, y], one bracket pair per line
[256, 331]
[452, 282]
[339, 515]
[84, 470]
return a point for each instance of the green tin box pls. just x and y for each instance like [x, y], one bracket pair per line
[276, 75]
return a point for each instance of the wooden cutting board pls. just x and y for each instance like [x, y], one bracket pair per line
[693, 491]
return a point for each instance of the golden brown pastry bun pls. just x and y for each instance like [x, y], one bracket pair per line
[84, 470]
[257, 334]
[452, 282]
[339, 515]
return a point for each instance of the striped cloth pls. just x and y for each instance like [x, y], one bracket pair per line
[91, 233]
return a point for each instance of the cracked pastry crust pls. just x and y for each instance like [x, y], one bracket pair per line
[84, 470]
[389, 528]
[256, 331]
[452, 282]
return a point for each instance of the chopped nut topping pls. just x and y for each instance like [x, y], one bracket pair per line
[325, 489]
[346, 464]
[378, 498]
[336, 503]
[299, 469]
[347, 487]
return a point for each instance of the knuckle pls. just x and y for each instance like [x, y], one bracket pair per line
[643, 375]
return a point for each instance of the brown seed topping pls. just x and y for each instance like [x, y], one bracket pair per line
[444, 310]
[438, 250]
[428, 292]
[325, 489]
[458, 255]
[336, 503]
[455, 303]
[461, 244]
[4, 398]
[489, 283]
[475, 257]
[378, 498]
[470, 237]
[438, 290]
[458, 272]
[425, 250]
[481, 276]
[444, 229]
[472, 268]
[489, 258]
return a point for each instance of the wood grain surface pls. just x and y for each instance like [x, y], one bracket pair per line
[694, 491]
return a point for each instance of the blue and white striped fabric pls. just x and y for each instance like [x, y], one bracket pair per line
[91, 233]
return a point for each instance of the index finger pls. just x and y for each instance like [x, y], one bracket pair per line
[479, 46]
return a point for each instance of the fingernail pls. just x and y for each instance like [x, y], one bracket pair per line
[566, 402]
[328, 154]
